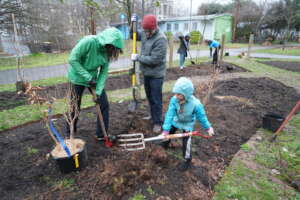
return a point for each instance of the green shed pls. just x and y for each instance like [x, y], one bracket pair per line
[222, 25]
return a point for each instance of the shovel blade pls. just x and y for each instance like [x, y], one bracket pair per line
[132, 106]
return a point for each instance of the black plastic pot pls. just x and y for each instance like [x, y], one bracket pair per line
[272, 121]
[74, 163]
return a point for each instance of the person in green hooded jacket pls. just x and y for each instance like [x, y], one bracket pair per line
[89, 61]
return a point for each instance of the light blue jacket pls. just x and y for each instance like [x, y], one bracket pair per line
[184, 116]
[214, 44]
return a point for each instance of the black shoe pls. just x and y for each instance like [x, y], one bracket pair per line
[185, 165]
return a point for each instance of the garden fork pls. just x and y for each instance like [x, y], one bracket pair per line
[136, 141]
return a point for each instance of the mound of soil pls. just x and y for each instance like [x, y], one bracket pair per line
[9, 100]
[74, 145]
[291, 66]
[235, 109]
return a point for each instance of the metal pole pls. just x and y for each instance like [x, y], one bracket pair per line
[222, 47]
[93, 27]
[250, 45]
[190, 27]
[143, 9]
[171, 45]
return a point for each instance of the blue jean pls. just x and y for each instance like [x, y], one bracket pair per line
[153, 89]
[181, 59]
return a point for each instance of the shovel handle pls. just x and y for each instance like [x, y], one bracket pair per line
[290, 115]
[108, 143]
[177, 135]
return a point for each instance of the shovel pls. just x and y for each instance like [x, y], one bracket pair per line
[107, 141]
[133, 104]
[193, 63]
[136, 141]
[290, 115]
[189, 53]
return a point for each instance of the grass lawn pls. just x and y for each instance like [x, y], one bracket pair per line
[35, 60]
[288, 51]
[43, 82]
[277, 59]
[286, 77]
[253, 178]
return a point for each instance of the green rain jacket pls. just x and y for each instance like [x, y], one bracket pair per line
[89, 61]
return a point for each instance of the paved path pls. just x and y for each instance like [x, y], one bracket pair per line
[37, 73]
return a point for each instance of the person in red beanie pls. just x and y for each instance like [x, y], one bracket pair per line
[152, 61]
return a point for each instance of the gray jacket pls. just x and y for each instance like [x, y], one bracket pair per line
[153, 54]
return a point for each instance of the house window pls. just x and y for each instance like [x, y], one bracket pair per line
[186, 26]
[176, 27]
[168, 27]
[195, 26]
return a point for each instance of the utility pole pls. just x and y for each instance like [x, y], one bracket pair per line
[92, 21]
[251, 38]
[143, 8]
[235, 18]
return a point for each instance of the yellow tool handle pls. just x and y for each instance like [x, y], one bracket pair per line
[134, 43]
[133, 80]
[76, 160]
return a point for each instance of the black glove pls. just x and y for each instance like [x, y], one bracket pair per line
[92, 83]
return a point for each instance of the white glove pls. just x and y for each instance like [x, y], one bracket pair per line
[134, 18]
[134, 57]
[210, 131]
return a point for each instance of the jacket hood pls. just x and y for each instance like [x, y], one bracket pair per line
[185, 87]
[111, 36]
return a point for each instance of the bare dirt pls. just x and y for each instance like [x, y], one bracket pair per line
[291, 66]
[10, 100]
[117, 174]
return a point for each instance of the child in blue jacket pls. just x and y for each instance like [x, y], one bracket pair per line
[184, 109]
[216, 45]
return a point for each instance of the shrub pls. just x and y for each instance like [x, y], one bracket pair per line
[196, 37]
[168, 35]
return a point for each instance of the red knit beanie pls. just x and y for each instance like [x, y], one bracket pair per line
[149, 22]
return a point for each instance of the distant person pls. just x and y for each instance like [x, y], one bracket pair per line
[89, 61]
[214, 45]
[183, 49]
[152, 61]
[183, 111]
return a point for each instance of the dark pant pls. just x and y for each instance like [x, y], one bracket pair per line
[216, 55]
[76, 94]
[153, 89]
[186, 144]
